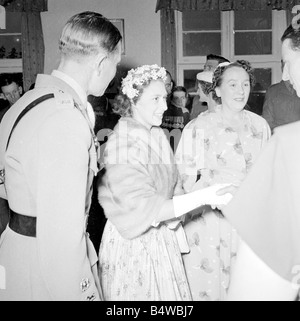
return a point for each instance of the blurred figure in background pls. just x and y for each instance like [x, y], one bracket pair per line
[176, 116]
[11, 91]
[198, 106]
[205, 92]
[170, 84]
[105, 121]
[281, 105]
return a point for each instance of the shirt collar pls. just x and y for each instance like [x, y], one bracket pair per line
[72, 83]
[289, 86]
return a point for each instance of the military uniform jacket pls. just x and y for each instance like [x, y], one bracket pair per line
[49, 164]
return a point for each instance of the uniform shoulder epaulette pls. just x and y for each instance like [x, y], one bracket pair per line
[63, 99]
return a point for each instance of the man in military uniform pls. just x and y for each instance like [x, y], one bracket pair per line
[50, 162]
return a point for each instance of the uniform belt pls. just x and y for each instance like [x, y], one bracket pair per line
[22, 224]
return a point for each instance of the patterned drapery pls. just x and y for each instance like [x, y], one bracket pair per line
[33, 50]
[168, 41]
[25, 5]
[225, 5]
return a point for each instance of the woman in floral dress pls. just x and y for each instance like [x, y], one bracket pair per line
[218, 147]
[143, 241]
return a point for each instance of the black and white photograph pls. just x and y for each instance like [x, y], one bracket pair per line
[149, 153]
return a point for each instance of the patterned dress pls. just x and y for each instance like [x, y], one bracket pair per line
[140, 258]
[211, 152]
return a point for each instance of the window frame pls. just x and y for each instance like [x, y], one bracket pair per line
[11, 65]
[273, 61]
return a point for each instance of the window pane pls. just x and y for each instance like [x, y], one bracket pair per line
[190, 80]
[201, 44]
[13, 23]
[10, 47]
[253, 20]
[201, 20]
[253, 43]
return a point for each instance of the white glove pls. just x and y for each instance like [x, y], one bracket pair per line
[206, 196]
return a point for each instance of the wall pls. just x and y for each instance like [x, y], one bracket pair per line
[142, 28]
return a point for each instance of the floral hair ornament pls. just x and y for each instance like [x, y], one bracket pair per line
[140, 76]
[224, 64]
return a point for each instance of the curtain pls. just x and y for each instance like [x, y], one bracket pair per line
[33, 50]
[25, 5]
[225, 5]
[168, 41]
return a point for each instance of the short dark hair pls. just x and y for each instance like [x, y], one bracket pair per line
[7, 79]
[294, 35]
[172, 80]
[205, 86]
[178, 88]
[220, 59]
[86, 33]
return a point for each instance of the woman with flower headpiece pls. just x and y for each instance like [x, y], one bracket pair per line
[140, 253]
[230, 139]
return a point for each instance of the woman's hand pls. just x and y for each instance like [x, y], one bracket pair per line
[231, 189]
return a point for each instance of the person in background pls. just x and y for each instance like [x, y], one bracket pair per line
[170, 84]
[282, 105]
[229, 140]
[4, 106]
[198, 106]
[176, 116]
[140, 252]
[212, 62]
[105, 121]
[49, 167]
[205, 92]
[11, 90]
[266, 211]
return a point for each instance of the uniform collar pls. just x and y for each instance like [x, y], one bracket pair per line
[61, 81]
[72, 83]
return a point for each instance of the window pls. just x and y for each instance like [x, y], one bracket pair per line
[11, 44]
[249, 35]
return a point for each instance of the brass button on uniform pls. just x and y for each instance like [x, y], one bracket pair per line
[84, 285]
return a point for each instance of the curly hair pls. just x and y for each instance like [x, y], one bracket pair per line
[219, 75]
[205, 86]
[122, 106]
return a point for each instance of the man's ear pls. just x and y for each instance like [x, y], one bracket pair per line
[100, 60]
[20, 90]
[218, 92]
